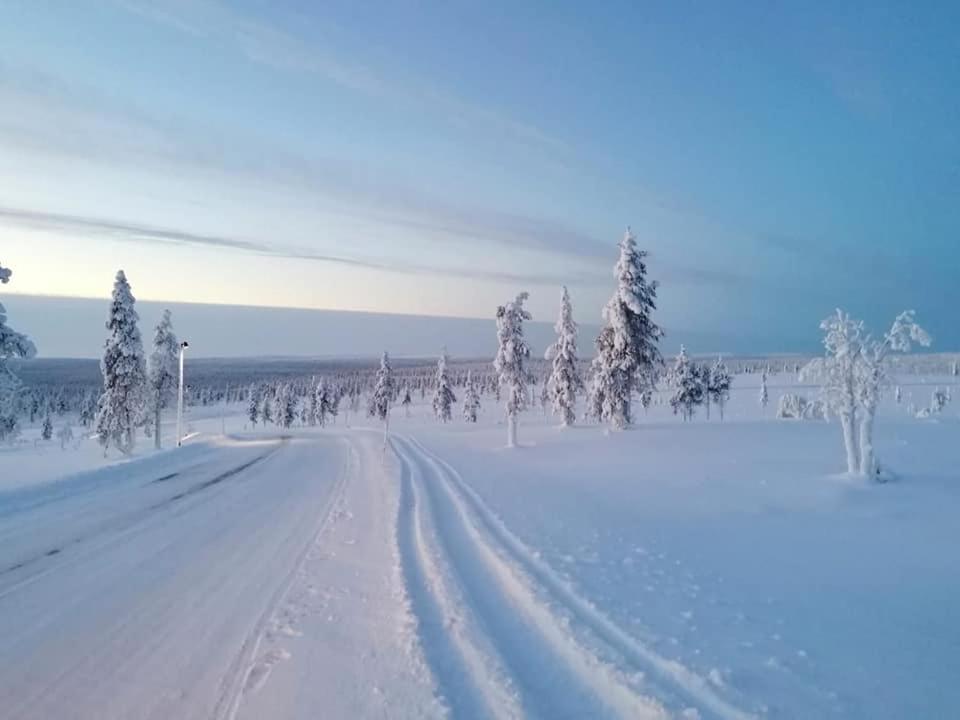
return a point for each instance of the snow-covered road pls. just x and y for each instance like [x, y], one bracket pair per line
[146, 590]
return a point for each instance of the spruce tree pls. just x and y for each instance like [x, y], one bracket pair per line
[685, 379]
[443, 397]
[253, 404]
[382, 396]
[510, 361]
[124, 369]
[471, 399]
[719, 386]
[12, 345]
[628, 357]
[164, 371]
[565, 382]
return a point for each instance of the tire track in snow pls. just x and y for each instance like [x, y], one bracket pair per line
[469, 684]
[554, 676]
[684, 681]
[237, 679]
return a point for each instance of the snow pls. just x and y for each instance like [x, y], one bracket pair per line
[698, 570]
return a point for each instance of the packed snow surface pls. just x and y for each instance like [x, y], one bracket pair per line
[690, 570]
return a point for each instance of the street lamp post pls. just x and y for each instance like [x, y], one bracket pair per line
[183, 348]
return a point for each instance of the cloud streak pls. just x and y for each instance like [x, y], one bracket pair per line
[268, 45]
[133, 232]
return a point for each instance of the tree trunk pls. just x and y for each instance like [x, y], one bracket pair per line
[847, 423]
[156, 424]
[511, 430]
[867, 458]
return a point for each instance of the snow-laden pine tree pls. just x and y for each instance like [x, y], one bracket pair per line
[406, 400]
[46, 432]
[382, 396]
[510, 361]
[12, 345]
[564, 383]
[254, 400]
[124, 369]
[285, 406]
[764, 395]
[163, 369]
[443, 397]
[719, 386]
[471, 399]
[852, 375]
[685, 379]
[627, 354]
[325, 403]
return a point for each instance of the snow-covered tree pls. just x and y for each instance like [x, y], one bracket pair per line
[852, 374]
[687, 384]
[898, 394]
[254, 400]
[471, 399]
[718, 388]
[164, 373]
[382, 396]
[511, 359]
[764, 395]
[12, 345]
[65, 435]
[564, 382]
[46, 432]
[285, 406]
[267, 398]
[406, 400]
[124, 369]
[627, 354]
[325, 403]
[443, 397]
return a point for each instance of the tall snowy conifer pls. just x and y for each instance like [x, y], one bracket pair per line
[325, 403]
[12, 345]
[565, 382]
[687, 384]
[124, 370]
[443, 397]
[627, 354]
[164, 372]
[471, 399]
[253, 404]
[510, 361]
[382, 396]
[719, 386]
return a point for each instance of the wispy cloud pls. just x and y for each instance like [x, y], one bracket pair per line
[133, 232]
[267, 44]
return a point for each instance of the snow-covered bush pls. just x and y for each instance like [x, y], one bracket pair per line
[797, 407]
[627, 354]
[852, 374]
[511, 359]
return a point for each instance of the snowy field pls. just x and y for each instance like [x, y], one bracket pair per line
[691, 570]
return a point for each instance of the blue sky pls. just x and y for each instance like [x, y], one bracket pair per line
[776, 159]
